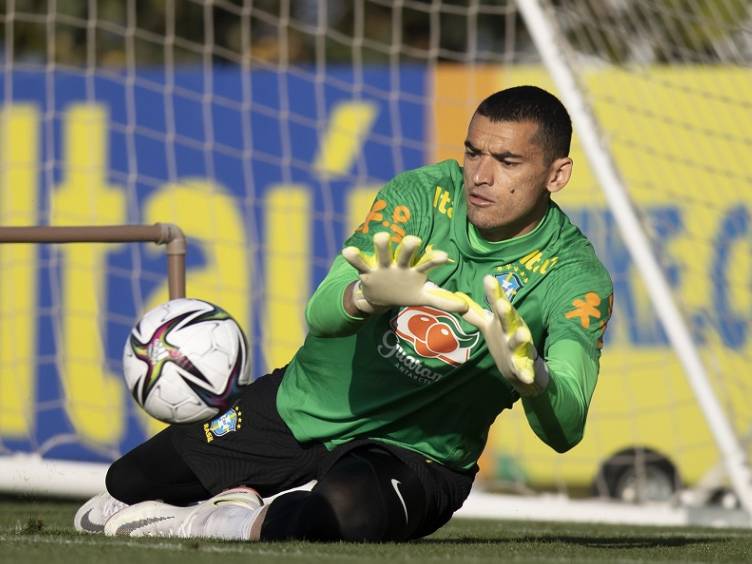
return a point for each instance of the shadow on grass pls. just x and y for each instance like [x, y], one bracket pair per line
[590, 542]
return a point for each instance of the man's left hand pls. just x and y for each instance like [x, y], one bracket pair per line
[508, 339]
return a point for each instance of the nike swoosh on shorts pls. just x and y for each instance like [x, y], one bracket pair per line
[396, 484]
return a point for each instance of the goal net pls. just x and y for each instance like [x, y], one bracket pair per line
[655, 89]
[263, 129]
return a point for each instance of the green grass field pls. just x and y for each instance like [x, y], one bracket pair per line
[42, 531]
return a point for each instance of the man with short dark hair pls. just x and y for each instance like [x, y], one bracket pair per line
[427, 326]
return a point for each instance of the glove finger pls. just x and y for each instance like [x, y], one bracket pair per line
[508, 316]
[446, 300]
[406, 251]
[499, 303]
[492, 288]
[356, 259]
[432, 260]
[526, 375]
[521, 345]
[475, 315]
[521, 336]
[382, 250]
[525, 368]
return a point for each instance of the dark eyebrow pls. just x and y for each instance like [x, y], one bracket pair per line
[505, 155]
[498, 156]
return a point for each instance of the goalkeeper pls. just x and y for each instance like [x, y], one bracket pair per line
[465, 290]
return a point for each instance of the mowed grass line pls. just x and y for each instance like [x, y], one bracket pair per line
[42, 531]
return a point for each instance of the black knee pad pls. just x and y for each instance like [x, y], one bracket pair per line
[356, 502]
[300, 515]
[374, 496]
[368, 495]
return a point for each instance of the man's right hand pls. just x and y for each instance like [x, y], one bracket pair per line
[398, 277]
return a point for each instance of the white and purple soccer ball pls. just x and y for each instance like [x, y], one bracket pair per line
[184, 360]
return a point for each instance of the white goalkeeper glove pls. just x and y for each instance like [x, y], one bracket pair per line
[398, 278]
[509, 340]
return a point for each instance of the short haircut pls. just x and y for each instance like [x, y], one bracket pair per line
[530, 103]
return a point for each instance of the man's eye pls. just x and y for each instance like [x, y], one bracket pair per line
[509, 163]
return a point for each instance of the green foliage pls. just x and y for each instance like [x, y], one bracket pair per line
[117, 33]
[660, 31]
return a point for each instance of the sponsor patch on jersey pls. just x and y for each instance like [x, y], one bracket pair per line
[228, 422]
[434, 333]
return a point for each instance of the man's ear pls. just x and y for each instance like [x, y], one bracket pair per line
[560, 172]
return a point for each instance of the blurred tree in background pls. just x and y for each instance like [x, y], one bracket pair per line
[658, 31]
[155, 32]
[158, 32]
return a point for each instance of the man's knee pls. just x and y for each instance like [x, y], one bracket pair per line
[323, 515]
[370, 497]
[360, 513]
[377, 496]
[300, 515]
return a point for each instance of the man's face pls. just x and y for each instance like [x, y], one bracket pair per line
[507, 177]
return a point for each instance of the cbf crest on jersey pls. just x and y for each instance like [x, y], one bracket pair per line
[510, 283]
[511, 279]
[228, 422]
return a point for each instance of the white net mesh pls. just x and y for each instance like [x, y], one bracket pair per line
[668, 82]
[263, 128]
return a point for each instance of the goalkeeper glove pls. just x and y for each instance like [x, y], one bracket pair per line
[509, 340]
[398, 278]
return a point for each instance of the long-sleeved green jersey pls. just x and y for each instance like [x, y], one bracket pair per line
[423, 379]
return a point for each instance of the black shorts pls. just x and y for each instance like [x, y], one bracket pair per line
[253, 446]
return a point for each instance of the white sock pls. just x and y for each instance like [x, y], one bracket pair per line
[230, 522]
[229, 515]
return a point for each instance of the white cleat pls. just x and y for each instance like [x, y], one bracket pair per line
[147, 519]
[228, 515]
[92, 515]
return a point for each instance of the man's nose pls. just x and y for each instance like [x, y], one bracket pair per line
[484, 172]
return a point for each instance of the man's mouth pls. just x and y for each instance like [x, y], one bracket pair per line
[478, 201]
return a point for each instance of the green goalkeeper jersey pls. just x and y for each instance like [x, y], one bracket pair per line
[422, 378]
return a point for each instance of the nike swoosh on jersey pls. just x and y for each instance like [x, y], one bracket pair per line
[396, 484]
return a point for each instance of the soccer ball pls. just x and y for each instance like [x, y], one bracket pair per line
[184, 360]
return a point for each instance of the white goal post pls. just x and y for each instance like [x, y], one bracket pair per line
[556, 56]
